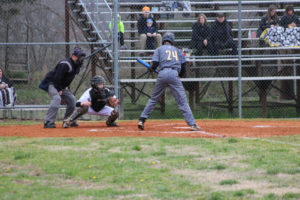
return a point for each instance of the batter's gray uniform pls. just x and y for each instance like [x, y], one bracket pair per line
[170, 60]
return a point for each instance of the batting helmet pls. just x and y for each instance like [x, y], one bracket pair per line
[96, 80]
[168, 37]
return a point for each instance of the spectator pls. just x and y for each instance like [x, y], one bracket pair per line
[142, 24]
[57, 83]
[7, 91]
[268, 21]
[120, 31]
[221, 36]
[289, 20]
[151, 34]
[200, 34]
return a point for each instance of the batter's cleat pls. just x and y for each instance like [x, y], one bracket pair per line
[49, 125]
[74, 124]
[195, 128]
[141, 125]
[66, 124]
[114, 124]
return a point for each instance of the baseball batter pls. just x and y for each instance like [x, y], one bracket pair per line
[97, 100]
[171, 65]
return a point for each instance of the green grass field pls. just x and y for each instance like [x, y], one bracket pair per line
[149, 168]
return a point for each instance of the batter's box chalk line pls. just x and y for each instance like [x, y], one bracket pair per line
[263, 126]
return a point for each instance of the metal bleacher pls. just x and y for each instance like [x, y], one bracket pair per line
[254, 57]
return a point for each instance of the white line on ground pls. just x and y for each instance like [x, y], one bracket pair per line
[263, 126]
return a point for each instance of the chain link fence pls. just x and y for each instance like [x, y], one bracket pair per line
[35, 35]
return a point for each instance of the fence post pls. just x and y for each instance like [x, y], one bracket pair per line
[115, 47]
[239, 57]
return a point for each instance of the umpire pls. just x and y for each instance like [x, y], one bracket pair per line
[171, 64]
[57, 82]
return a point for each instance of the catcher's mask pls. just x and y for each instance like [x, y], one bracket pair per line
[97, 80]
[79, 53]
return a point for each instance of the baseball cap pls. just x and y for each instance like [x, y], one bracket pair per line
[78, 52]
[149, 20]
[146, 9]
[219, 15]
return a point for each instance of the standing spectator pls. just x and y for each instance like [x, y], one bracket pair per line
[268, 21]
[7, 91]
[151, 34]
[142, 24]
[200, 32]
[57, 83]
[171, 63]
[289, 20]
[120, 31]
[221, 36]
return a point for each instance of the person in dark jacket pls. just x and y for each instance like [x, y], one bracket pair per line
[58, 81]
[151, 34]
[142, 24]
[221, 36]
[289, 20]
[200, 32]
[268, 21]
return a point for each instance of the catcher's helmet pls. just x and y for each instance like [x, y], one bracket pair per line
[168, 37]
[96, 80]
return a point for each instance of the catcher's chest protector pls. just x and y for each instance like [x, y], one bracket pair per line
[99, 99]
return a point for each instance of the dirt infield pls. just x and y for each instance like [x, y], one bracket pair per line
[163, 128]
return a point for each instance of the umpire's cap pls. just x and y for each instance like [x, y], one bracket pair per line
[96, 80]
[78, 52]
[168, 37]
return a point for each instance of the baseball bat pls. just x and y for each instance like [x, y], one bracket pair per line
[145, 64]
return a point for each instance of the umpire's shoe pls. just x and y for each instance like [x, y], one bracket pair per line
[195, 128]
[49, 125]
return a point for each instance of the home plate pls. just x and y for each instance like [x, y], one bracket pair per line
[93, 130]
[263, 126]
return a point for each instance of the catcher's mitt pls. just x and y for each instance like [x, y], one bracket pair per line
[113, 102]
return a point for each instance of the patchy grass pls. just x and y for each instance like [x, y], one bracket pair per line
[149, 168]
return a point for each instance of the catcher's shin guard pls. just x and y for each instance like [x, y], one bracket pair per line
[110, 122]
[79, 111]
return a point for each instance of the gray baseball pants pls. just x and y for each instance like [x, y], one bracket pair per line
[68, 98]
[169, 78]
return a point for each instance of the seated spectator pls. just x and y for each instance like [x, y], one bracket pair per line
[120, 31]
[200, 32]
[221, 36]
[7, 92]
[151, 34]
[142, 24]
[268, 21]
[289, 20]
[175, 4]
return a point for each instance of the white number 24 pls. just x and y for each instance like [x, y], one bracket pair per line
[172, 53]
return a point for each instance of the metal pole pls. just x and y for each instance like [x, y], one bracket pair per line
[67, 26]
[295, 74]
[240, 57]
[115, 47]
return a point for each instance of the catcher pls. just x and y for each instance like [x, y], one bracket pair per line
[97, 100]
